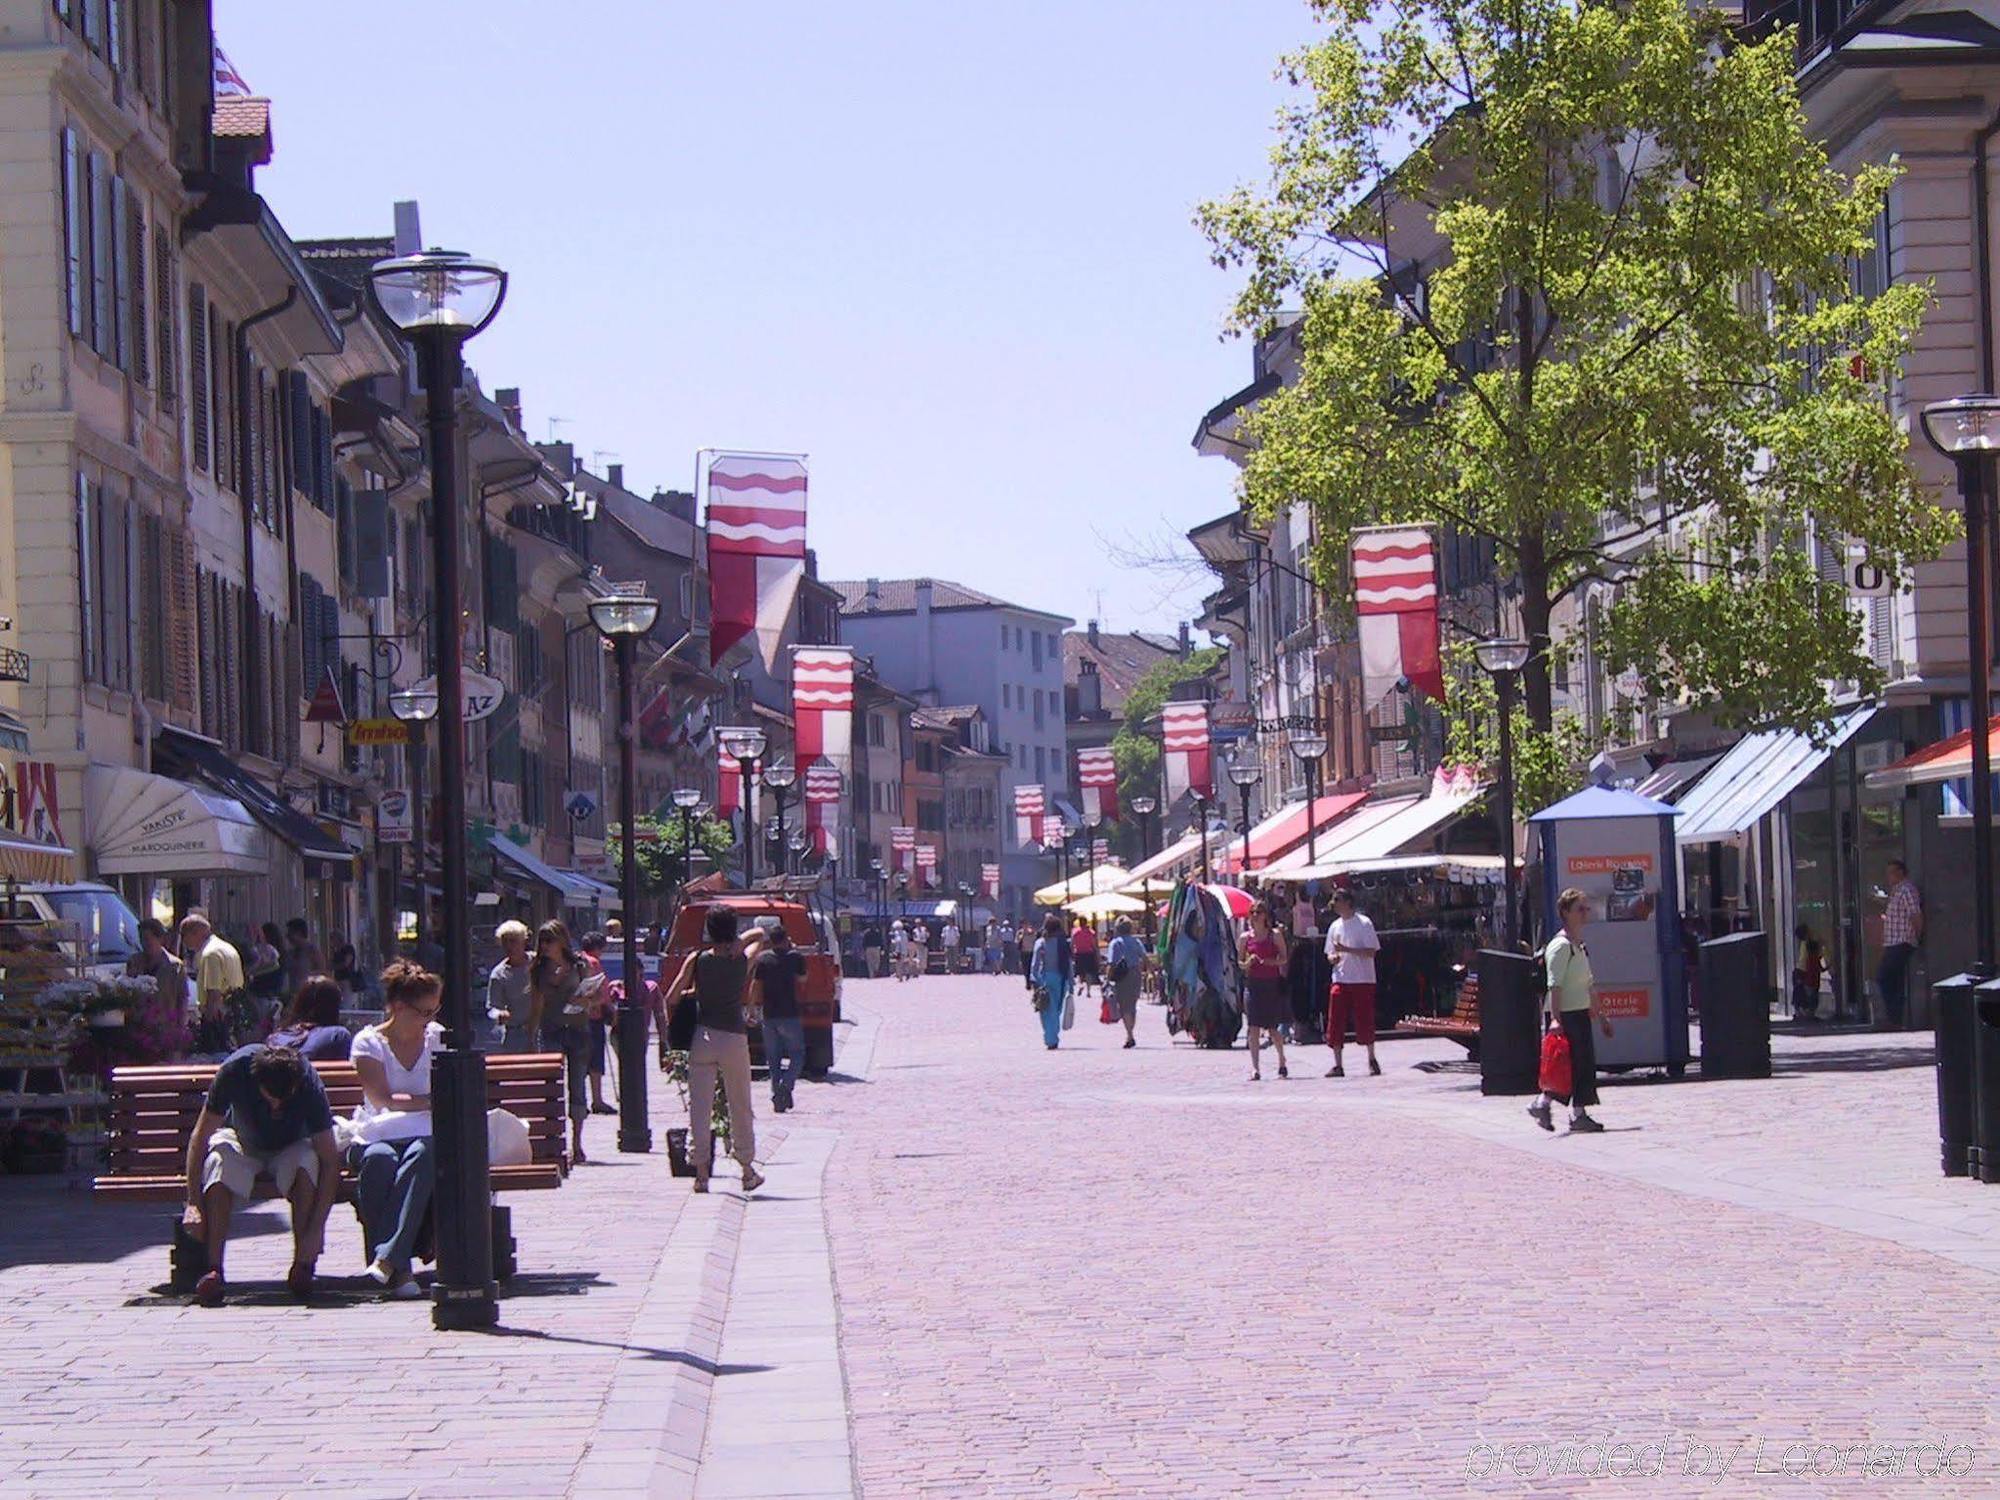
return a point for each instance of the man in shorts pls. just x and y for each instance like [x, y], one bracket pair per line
[266, 1116]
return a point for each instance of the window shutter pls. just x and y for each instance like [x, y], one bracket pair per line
[86, 578]
[114, 34]
[138, 326]
[204, 657]
[121, 275]
[166, 346]
[294, 690]
[183, 635]
[309, 618]
[117, 524]
[199, 384]
[298, 409]
[75, 213]
[221, 387]
[329, 635]
[102, 309]
[232, 634]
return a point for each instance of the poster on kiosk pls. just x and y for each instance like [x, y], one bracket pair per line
[1618, 849]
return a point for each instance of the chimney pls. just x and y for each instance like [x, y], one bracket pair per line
[1186, 645]
[616, 474]
[1093, 635]
[873, 598]
[926, 651]
[409, 229]
[508, 399]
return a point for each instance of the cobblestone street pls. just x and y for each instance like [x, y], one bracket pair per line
[1098, 1272]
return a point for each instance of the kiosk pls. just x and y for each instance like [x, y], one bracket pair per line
[1618, 849]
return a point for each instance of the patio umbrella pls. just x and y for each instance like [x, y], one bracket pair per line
[1106, 904]
[1109, 877]
[1235, 900]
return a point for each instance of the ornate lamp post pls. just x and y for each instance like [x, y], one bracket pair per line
[781, 777]
[1246, 773]
[687, 799]
[438, 300]
[798, 842]
[621, 619]
[1145, 807]
[1091, 823]
[747, 744]
[1502, 660]
[879, 878]
[417, 706]
[1309, 743]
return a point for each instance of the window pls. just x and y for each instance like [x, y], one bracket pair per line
[875, 730]
[1003, 635]
[1041, 763]
[1054, 650]
[97, 175]
[1038, 708]
[76, 214]
[86, 578]
[135, 261]
[1035, 656]
[200, 383]
[1006, 695]
[121, 273]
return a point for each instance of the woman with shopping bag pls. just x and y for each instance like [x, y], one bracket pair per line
[1049, 972]
[1573, 1020]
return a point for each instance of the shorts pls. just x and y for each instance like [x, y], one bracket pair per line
[238, 1169]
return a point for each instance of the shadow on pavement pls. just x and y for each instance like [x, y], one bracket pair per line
[51, 1222]
[670, 1356]
[1880, 1059]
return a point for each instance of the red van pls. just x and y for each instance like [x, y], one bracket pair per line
[821, 985]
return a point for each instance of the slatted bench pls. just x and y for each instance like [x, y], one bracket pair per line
[1461, 1026]
[153, 1110]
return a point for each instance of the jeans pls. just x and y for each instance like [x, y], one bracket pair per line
[1894, 977]
[784, 1054]
[1056, 988]
[573, 1042]
[393, 1182]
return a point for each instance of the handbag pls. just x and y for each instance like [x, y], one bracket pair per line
[1069, 1009]
[1555, 1074]
[1108, 1011]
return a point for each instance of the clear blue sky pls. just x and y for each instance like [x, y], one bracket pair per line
[944, 248]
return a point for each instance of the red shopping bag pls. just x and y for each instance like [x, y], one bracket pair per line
[1555, 1062]
[1108, 1011]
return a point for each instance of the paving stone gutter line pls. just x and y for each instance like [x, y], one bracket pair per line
[733, 1385]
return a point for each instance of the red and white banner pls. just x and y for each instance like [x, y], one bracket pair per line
[756, 547]
[926, 865]
[1396, 610]
[1028, 810]
[1188, 757]
[902, 843]
[823, 704]
[1054, 831]
[989, 881]
[822, 794]
[1100, 851]
[229, 83]
[1097, 783]
[730, 776]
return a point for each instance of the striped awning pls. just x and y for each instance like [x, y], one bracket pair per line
[25, 860]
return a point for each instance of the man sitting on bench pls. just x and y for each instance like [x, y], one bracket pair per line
[266, 1115]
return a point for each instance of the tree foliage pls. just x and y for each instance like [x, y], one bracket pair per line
[1136, 753]
[1638, 352]
[659, 857]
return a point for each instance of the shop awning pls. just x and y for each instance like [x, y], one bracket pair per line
[143, 824]
[1947, 760]
[26, 860]
[1460, 869]
[1381, 831]
[189, 757]
[1356, 825]
[1757, 773]
[575, 889]
[1175, 859]
[1285, 830]
[13, 733]
[1670, 782]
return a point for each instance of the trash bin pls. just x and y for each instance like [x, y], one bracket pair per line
[1986, 1081]
[1735, 976]
[1510, 1026]
[1952, 1000]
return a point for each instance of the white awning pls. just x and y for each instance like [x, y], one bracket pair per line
[153, 825]
[575, 889]
[1175, 859]
[1758, 772]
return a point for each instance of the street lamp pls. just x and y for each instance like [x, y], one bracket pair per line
[1308, 743]
[747, 744]
[1091, 822]
[781, 778]
[416, 706]
[1503, 659]
[1145, 807]
[879, 878]
[687, 799]
[798, 843]
[438, 300]
[621, 618]
[1967, 431]
[1246, 773]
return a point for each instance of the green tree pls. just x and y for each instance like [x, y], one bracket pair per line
[1136, 753]
[659, 856]
[1638, 352]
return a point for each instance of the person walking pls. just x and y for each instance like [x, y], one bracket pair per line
[1263, 978]
[871, 950]
[264, 965]
[1049, 975]
[919, 949]
[1572, 994]
[775, 975]
[713, 980]
[1351, 946]
[217, 970]
[507, 999]
[1024, 950]
[1083, 945]
[557, 1014]
[592, 959]
[302, 955]
[948, 941]
[1902, 930]
[1125, 971]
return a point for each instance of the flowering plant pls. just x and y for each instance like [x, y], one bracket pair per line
[155, 1030]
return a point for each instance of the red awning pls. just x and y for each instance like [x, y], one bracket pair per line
[1947, 760]
[1284, 831]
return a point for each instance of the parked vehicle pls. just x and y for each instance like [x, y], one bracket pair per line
[818, 996]
[109, 929]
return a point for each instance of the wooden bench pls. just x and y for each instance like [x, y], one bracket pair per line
[153, 1110]
[1461, 1026]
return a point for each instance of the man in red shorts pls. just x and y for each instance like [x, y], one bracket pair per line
[1351, 946]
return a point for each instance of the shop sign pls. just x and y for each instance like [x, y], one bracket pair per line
[366, 732]
[393, 821]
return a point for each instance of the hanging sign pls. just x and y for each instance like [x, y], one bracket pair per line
[366, 732]
[325, 707]
[393, 821]
[480, 694]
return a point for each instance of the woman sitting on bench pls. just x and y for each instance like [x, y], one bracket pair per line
[391, 1154]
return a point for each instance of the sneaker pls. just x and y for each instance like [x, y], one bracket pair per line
[382, 1273]
[1584, 1125]
[752, 1179]
[604, 1109]
[1336, 1071]
[406, 1290]
[208, 1291]
[1374, 1068]
[1540, 1114]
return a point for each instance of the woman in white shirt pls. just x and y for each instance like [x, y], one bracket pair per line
[394, 1162]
